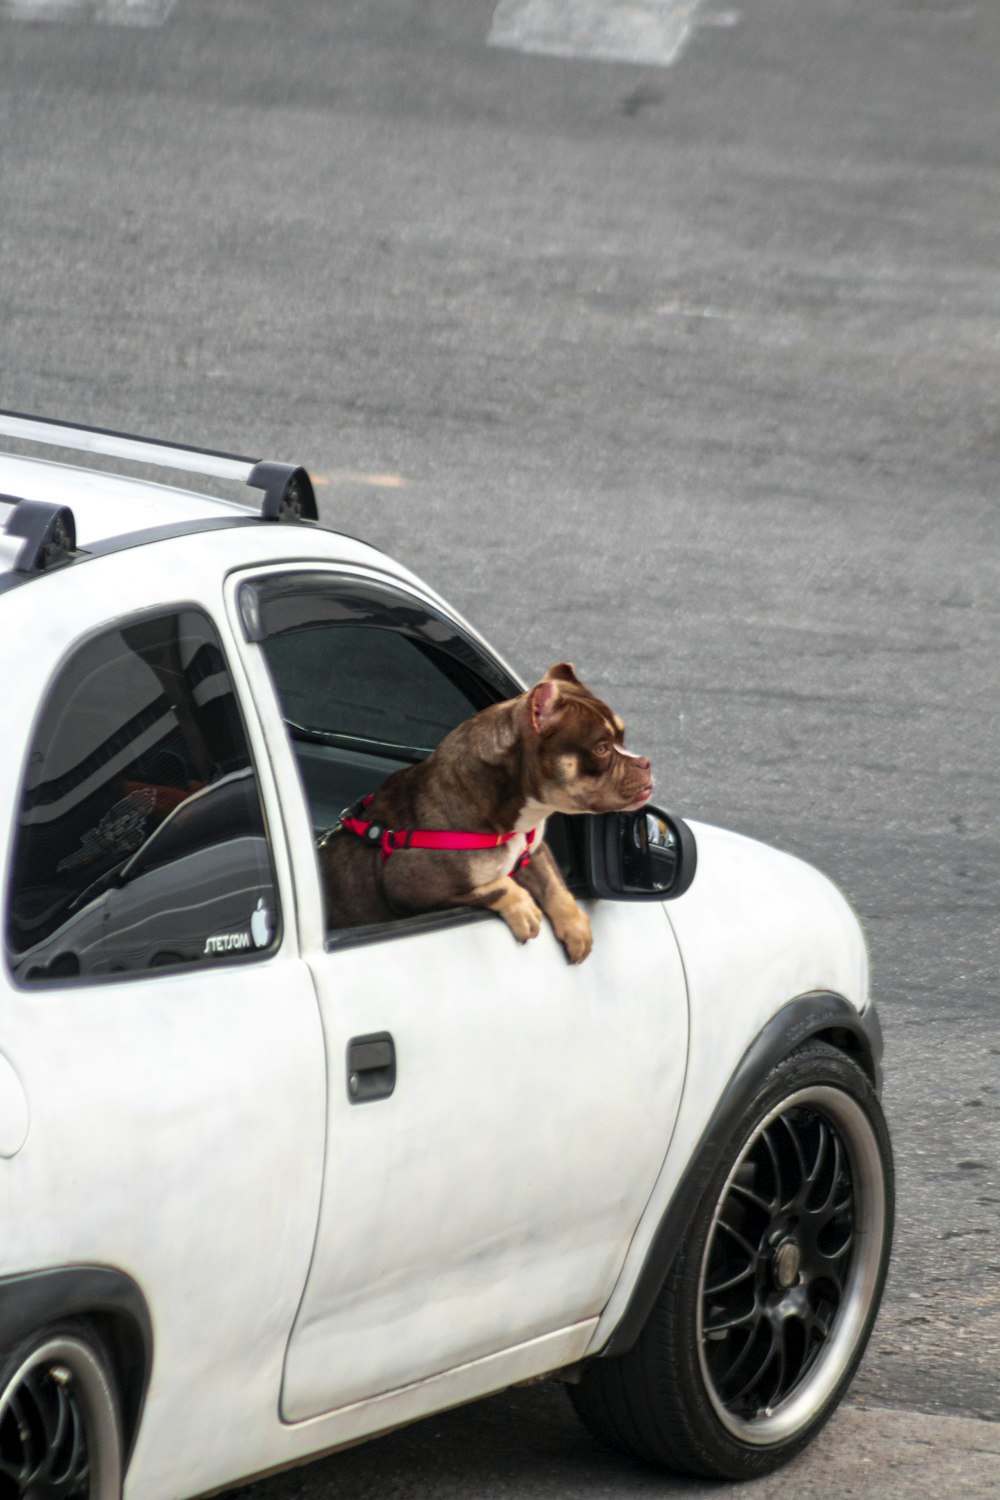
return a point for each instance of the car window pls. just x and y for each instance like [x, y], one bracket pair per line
[369, 678]
[141, 841]
[366, 687]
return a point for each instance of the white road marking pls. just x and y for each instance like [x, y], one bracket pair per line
[97, 12]
[637, 31]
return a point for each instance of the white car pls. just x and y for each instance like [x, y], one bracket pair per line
[268, 1189]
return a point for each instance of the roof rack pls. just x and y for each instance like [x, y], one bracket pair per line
[47, 533]
[288, 490]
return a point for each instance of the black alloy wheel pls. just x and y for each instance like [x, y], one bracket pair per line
[785, 1275]
[767, 1309]
[60, 1436]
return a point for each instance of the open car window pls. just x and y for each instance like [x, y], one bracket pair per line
[369, 679]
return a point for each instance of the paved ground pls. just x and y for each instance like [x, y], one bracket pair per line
[518, 1445]
[685, 369]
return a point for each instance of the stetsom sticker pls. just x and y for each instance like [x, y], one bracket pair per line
[257, 935]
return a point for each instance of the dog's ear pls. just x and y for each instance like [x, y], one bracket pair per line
[562, 672]
[543, 705]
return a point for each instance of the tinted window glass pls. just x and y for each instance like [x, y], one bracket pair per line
[141, 842]
[366, 685]
[365, 661]
[369, 678]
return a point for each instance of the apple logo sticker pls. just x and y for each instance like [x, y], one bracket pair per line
[260, 925]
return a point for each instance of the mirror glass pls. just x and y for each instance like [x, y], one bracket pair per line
[649, 852]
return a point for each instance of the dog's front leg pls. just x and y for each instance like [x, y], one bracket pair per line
[509, 901]
[543, 879]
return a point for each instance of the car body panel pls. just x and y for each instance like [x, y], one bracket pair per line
[489, 1169]
[182, 1117]
[315, 1270]
[184, 1112]
[110, 505]
[757, 929]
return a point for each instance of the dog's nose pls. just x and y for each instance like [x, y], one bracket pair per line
[642, 763]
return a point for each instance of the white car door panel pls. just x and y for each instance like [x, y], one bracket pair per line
[491, 1198]
[186, 1110]
[174, 1084]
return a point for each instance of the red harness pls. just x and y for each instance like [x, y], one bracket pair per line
[391, 839]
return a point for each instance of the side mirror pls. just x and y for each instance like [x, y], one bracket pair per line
[647, 855]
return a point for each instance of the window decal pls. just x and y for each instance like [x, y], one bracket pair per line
[256, 935]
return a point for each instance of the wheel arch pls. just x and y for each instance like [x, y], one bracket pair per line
[817, 1016]
[104, 1301]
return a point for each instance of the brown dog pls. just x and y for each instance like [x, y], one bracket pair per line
[496, 777]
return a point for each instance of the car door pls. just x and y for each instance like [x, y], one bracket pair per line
[496, 1117]
[160, 1035]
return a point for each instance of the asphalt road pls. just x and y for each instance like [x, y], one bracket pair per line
[684, 369]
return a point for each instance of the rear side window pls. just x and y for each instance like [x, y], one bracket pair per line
[141, 841]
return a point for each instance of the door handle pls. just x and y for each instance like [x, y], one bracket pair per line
[371, 1067]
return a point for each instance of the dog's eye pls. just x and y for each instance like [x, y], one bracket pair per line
[602, 748]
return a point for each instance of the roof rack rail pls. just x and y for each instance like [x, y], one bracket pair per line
[47, 533]
[288, 490]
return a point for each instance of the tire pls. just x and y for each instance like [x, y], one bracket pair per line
[60, 1432]
[767, 1308]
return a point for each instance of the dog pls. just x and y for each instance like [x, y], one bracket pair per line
[465, 827]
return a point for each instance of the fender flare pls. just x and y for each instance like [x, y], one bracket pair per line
[819, 1015]
[113, 1307]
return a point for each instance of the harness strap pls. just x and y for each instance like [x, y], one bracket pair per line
[391, 839]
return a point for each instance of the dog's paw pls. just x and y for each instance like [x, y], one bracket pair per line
[522, 916]
[576, 937]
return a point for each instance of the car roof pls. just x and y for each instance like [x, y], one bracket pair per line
[112, 512]
[106, 505]
[53, 513]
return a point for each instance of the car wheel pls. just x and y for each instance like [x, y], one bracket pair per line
[59, 1427]
[768, 1307]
